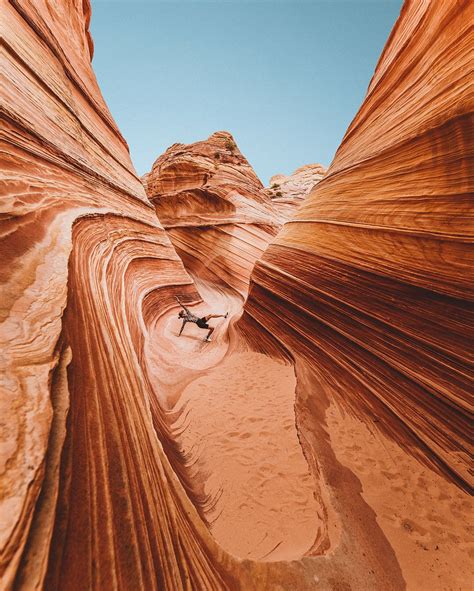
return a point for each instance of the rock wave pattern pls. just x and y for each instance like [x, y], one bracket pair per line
[372, 278]
[367, 289]
[92, 493]
[214, 208]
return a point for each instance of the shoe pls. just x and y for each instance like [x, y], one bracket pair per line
[226, 314]
[207, 340]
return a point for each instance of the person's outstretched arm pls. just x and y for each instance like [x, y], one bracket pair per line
[182, 305]
[182, 327]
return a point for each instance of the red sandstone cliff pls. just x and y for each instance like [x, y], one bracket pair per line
[214, 209]
[374, 272]
[369, 289]
[88, 497]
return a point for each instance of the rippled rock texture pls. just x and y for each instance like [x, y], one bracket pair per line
[89, 499]
[372, 279]
[214, 209]
[94, 491]
[288, 192]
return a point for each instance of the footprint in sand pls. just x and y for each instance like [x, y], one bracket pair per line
[245, 435]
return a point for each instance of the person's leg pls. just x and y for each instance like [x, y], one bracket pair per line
[211, 330]
[209, 316]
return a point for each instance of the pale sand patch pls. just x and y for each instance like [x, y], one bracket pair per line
[240, 432]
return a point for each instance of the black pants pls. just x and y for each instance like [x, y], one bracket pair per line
[202, 323]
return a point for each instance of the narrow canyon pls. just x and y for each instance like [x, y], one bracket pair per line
[320, 439]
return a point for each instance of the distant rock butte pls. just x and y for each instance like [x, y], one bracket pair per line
[214, 209]
[288, 192]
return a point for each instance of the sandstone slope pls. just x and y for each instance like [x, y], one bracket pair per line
[374, 270]
[369, 289]
[118, 438]
[89, 499]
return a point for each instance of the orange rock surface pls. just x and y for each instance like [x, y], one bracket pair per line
[374, 272]
[369, 289]
[95, 492]
[88, 496]
[214, 209]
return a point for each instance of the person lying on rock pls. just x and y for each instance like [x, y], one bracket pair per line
[187, 316]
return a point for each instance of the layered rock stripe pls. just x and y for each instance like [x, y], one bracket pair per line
[83, 257]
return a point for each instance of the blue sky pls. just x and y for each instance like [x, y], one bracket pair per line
[285, 77]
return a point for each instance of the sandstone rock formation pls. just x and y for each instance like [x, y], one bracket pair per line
[88, 497]
[95, 493]
[374, 272]
[110, 462]
[288, 192]
[214, 209]
[372, 280]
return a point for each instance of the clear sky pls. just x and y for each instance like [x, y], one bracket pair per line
[285, 77]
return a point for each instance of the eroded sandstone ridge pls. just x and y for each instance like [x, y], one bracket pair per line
[94, 492]
[288, 192]
[214, 208]
[374, 273]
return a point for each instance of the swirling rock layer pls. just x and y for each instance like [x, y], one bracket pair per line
[89, 498]
[371, 282]
[95, 492]
[214, 209]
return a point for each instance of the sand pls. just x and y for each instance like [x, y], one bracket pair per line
[427, 520]
[240, 432]
[232, 413]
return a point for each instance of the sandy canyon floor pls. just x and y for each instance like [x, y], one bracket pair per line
[233, 416]
[232, 412]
